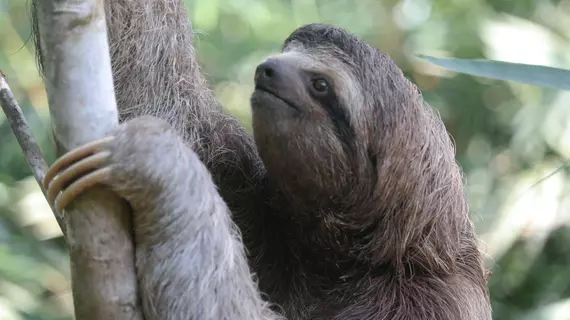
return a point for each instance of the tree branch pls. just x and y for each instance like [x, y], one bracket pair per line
[25, 138]
[74, 49]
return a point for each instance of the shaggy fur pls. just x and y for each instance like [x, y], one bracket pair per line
[350, 206]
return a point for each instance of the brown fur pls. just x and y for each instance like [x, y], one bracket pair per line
[352, 212]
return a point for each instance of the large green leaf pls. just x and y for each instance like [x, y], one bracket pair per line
[523, 73]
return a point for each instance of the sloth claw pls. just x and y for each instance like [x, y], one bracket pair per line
[79, 186]
[76, 171]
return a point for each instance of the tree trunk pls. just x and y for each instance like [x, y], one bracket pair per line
[75, 54]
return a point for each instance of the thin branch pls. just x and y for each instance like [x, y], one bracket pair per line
[564, 165]
[25, 138]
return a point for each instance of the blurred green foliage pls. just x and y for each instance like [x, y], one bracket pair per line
[509, 136]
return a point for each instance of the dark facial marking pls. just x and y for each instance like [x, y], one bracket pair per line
[322, 90]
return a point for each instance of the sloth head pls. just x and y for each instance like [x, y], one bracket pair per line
[332, 116]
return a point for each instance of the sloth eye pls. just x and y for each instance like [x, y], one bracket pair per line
[320, 85]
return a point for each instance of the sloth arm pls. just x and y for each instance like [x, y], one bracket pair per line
[190, 259]
[156, 72]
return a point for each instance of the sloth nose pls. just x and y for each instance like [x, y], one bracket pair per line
[272, 72]
[266, 71]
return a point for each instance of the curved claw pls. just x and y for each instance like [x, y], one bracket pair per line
[73, 172]
[79, 186]
[74, 155]
[72, 167]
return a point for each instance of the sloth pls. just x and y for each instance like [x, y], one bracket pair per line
[346, 203]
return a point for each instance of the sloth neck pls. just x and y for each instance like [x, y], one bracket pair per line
[306, 200]
[308, 190]
[312, 220]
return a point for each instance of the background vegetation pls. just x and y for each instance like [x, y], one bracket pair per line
[510, 137]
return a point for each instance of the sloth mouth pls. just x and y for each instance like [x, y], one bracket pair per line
[273, 94]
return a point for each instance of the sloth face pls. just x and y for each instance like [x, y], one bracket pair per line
[331, 112]
[306, 107]
[298, 96]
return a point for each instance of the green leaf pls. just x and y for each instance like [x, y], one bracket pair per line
[523, 73]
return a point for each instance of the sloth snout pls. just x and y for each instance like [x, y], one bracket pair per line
[274, 73]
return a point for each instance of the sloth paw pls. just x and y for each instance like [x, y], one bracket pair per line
[77, 171]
